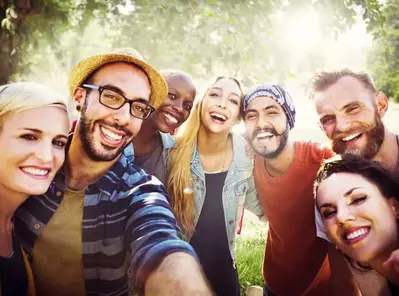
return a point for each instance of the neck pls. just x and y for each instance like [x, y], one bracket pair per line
[388, 153]
[209, 143]
[147, 138]
[279, 165]
[9, 202]
[80, 170]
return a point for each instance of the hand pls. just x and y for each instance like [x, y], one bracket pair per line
[393, 261]
[179, 274]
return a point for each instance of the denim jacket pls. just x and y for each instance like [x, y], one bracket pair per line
[238, 191]
[168, 142]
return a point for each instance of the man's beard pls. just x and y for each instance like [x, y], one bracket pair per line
[283, 139]
[86, 131]
[374, 133]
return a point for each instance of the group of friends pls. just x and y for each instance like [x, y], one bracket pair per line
[114, 204]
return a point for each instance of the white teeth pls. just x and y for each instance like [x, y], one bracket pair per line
[264, 134]
[220, 116]
[35, 171]
[170, 117]
[350, 137]
[110, 134]
[356, 233]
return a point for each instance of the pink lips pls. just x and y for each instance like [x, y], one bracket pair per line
[356, 234]
[36, 171]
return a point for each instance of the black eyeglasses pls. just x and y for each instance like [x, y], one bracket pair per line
[139, 108]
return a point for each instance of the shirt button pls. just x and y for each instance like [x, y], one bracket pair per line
[58, 193]
[231, 222]
[36, 226]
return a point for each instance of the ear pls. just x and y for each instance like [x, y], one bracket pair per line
[320, 125]
[382, 103]
[394, 204]
[78, 96]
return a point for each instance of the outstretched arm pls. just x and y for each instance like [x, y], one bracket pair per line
[162, 263]
[178, 274]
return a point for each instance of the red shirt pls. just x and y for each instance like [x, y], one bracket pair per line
[295, 259]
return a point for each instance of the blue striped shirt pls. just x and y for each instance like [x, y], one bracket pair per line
[127, 223]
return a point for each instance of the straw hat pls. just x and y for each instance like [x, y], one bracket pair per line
[83, 69]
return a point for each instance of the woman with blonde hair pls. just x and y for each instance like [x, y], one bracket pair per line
[211, 180]
[34, 127]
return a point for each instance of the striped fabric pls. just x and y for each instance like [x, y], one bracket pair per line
[127, 223]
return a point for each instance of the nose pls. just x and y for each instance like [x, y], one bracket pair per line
[178, 106]
[344, 214]
[122, 116]
[262, 123]
[222, 103]
[45, 152]
[343, 124]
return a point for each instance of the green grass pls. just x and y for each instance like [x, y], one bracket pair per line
[250, 251]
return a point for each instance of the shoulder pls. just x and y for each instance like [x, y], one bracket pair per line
[239, 147]
[133, 179]
[168, 141]
[312, 152]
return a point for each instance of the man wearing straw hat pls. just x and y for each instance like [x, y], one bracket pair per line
[102, 215]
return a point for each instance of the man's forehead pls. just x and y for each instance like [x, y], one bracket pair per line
[120, 70]
[130, 79]
[343, 92]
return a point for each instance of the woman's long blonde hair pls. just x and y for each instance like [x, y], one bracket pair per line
[180, 183]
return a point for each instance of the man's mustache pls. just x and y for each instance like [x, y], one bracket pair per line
[339, 136]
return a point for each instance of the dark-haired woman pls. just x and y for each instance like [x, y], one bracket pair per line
[359, 203]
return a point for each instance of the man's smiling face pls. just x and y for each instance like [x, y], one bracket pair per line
[105, 132]
[349, 116]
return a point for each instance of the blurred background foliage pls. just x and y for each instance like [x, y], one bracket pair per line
[256, 40]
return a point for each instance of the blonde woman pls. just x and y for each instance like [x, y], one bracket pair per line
[211, 180]
[34, 127]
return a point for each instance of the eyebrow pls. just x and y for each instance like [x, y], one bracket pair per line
[349, 192]
[31, 130]
[221, 89]
[349, 104]
[121, 92]
[37, 131]
[174, 89]
[114, 88]
[250, 110]
[270, 107]
[264, 109]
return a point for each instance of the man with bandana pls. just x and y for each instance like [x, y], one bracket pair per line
[350, 112]
[284, 172]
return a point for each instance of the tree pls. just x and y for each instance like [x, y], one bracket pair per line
[31, 30]
[384, 59]
[203, 37]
